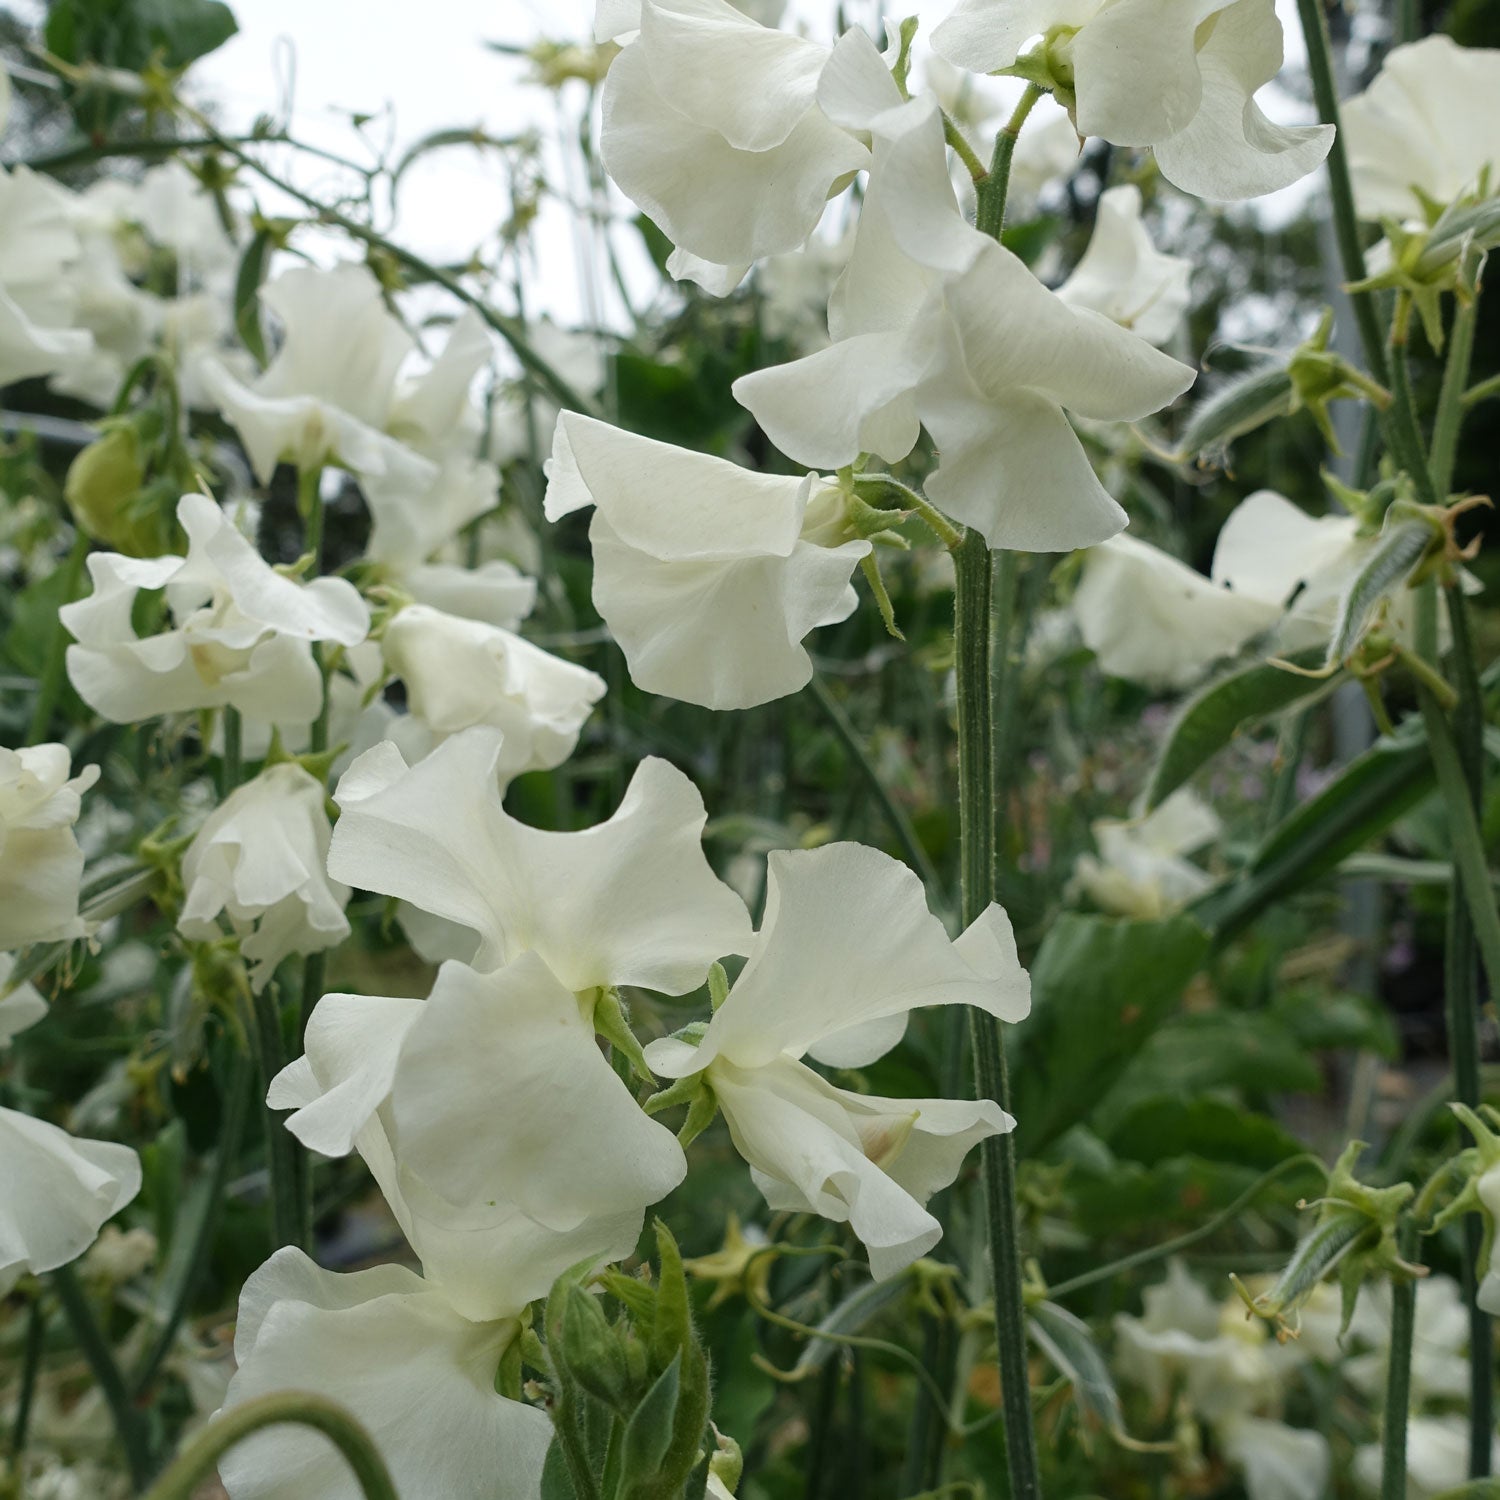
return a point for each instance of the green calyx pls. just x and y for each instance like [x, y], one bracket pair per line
[1049, 66]
[1320, 375]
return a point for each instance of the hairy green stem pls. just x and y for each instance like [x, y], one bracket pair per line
[1341, 192]
[901, 825]
[54, 668]
[991, 191]
[197, 1461]
[976, 771]
[1393, 1475]
[95, 1348]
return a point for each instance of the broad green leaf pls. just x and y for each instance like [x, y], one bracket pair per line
[1156, 1130]
[1100, 989]
[247, 283]
[1130, 1199]
[1212, 717]
[648, 1433]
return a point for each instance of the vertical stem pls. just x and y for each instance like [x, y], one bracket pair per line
[1450, 408]
[287, 1227]
[977, 860]
[1341, 193]
[231, 769]
[1393, 1476]
[95, 1349]
[54, 669]
[990, 192]
[31, 1359]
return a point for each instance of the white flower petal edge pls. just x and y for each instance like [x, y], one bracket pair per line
[41, 864]
[1141, 869]
[418, 1375]
[37, 242]
[631, 901]
[56, 1191]
[20, 1005]
[260, 859]
[706, 573]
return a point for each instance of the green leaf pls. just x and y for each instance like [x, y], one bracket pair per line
[1126, 1198]
[1212, 717]
[1156, 1130]
[254, 264]
[591, 1348]
[129, 33]
[851, 1315]
[672, 1327]
[1100, 988]
[1395, 557]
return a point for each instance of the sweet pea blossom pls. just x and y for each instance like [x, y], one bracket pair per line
[241, 634]
[56, 1190]
[1426, 132]
[414, 1371]
[327, 394]
[37, 306]
[499, 1110]
[459, 673]
[1153, 620]
[259, 859]
[1180, 78]
[703, 83]
[708, 575]
[1123, 276]
[937, 325]
[1141, 869]
[489, 1258]
[40, 861]
[631, 901]
[846, 950]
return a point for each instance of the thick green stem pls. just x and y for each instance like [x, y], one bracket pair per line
[107, 1375]
[977, 859]
[1341, 192]
[901, 825]
[1393, 1476]
[197, 1461]
[54, 668]
[31, 1360]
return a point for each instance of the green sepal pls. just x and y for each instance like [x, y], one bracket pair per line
[871, 569]
[612, 1022]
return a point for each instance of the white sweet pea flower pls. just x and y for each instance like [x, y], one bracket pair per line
[259, 860]
[1271, 550]
[1151, 619]
[1179, 77]
[1141, 869]
[1125, 277]
[629, 902]
[56, 1190]
[460, 673]
[846, 950]
[20, 1004]
[1437, 1458]
[40, 861]
[241, 635]
[936, 325]
[1277, 1462]
[417, 1374]
[709, 576]
[37, 305]
[327, 395]
[489, 1256]
[1426, 132]
[496, 592]
[703, 83]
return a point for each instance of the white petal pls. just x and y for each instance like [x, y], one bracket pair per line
[497, 592]
[716, 280]
[1230, 149]
[418, 1376]
[56, 1191]
[631, 901]
[1269, 546]
[1278, 1462]
[735, 205]
[1136, 75]
[502, 1095]
[1151, 619]
[983, 35]
[723, 634]
[20, 1005]
[848, 939]
[855, 86]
